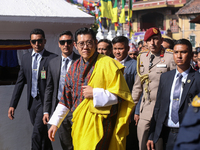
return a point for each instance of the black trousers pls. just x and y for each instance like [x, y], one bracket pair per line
[132, 140]
[169, 136]
[40, 140]
[64, 133]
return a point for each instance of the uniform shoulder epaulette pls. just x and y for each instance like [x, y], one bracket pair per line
[169, 50]
[196, 101]
[144, 51]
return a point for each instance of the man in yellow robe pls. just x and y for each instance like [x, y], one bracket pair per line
[97, 94]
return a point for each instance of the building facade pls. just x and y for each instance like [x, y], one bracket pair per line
[157, 13]
[190, 31]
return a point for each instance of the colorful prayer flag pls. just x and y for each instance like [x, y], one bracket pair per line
[130, 31]
[115, 13]
[96, 12]
[116, 26]
[80, 2]
[130, 10]
[110, 9]
[105, 9]
[122, 18]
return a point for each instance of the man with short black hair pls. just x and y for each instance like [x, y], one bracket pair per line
[198, 57]
[57, 70]
[140, 45]
[151, 63]
[168, 43]
[104, 46]
[33, 71]
[194, 63]
[97, 94]
[120, 51]
[176, 90]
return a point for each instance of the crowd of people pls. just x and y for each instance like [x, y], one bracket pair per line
[112, 95]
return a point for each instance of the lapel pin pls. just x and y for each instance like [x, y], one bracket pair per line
[188, 81]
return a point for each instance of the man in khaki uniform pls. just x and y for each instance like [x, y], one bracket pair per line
[151, 64]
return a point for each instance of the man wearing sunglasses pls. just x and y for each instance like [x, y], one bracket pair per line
[57, 70]
[33, 72]
[97, 94]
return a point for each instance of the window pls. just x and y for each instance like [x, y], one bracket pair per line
[173, 26]
[11, 52]
[192, 25]
[192, 40]
[174, 29]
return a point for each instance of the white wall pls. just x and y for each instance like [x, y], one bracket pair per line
[16, 134]
[21, 30]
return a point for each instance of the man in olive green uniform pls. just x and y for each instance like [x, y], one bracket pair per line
[151, 64]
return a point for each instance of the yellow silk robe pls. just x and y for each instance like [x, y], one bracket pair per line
[87, 128]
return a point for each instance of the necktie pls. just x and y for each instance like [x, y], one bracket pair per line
[175, 103]
[151, 60]
[34, 76]
[62, 77]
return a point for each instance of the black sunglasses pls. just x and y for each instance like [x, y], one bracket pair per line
[39, 41]
[62, 42]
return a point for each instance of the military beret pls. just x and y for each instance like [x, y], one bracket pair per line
[150, 32]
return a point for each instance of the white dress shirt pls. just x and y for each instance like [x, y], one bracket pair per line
[70, 60]
[123, 61]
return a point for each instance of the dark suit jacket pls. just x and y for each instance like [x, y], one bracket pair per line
[188, 136]
[161, 109]
[25, 76]
[130, 72]
[53, 78]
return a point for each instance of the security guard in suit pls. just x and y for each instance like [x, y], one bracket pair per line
[151, 63]
[189, 135]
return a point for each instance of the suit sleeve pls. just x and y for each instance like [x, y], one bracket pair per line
[156, 110]
[197, 78]
[137, 90]
[66, 98]
[129, 73]
[137, 108]
[19, 86]
[48, 92]
[135, 73]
